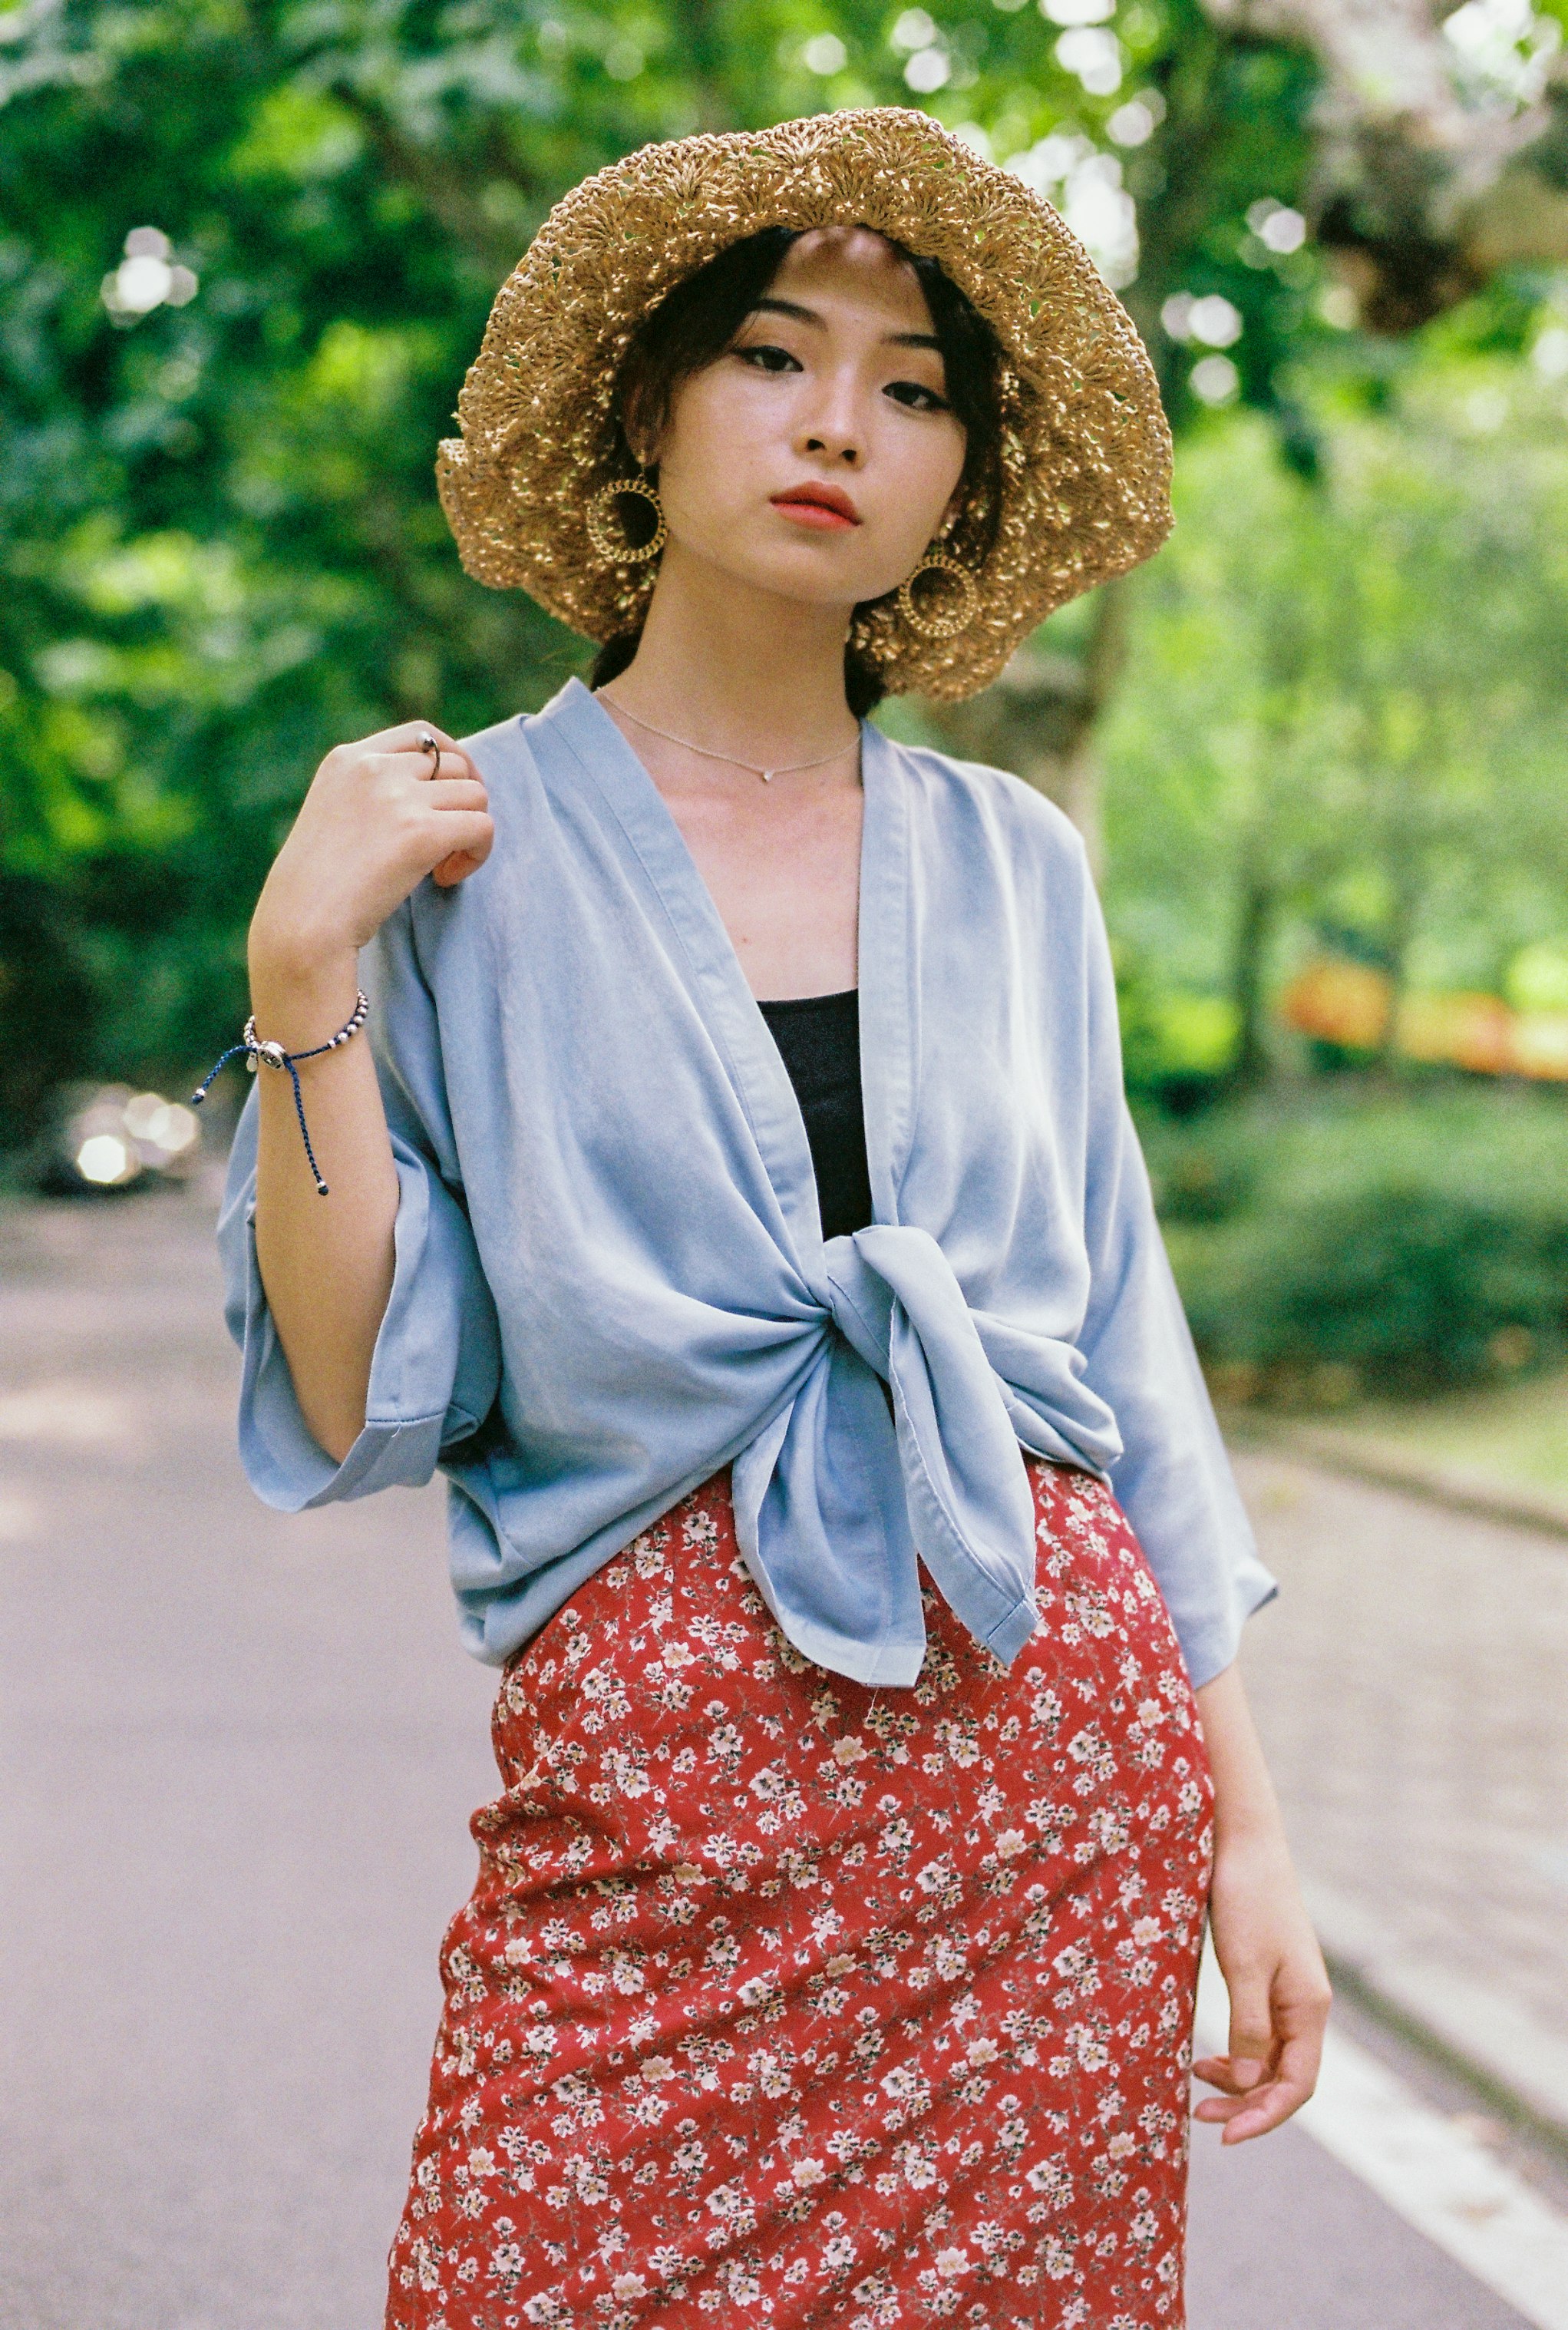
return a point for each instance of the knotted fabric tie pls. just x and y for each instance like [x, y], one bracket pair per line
[837, 1487]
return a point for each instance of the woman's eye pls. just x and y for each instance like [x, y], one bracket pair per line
[917, 396]
[765, 357]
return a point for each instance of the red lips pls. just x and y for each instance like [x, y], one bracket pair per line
[814, 505]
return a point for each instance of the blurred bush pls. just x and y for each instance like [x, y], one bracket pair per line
[1178, 1046]
[1368, 1242]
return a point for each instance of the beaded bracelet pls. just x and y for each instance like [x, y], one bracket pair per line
[277, 1058]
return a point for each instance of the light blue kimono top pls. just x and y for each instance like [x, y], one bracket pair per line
[610, 1276]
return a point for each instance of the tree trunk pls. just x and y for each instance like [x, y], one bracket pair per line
[1251, 1065]
[1401, 932]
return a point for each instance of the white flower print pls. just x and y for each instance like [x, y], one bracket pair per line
[760, 1960]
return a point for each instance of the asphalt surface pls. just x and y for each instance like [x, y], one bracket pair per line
[240, 1751]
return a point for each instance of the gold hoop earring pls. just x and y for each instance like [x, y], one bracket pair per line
[596, 517]
[934, 624]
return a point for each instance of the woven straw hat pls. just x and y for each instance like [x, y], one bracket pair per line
[1085, 452]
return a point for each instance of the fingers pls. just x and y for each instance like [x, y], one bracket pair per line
[1293, 2083]
[1252, 2040]
[455, 793]
[1215, 2071]
[410, 761]
[459, 785]
[475, 834]
[1268, 2104]
[443, 766]
[402, 751]
[405, 738]
[393, 781]
[1271, 2071]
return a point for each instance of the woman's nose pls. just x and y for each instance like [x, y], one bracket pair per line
[835, 435]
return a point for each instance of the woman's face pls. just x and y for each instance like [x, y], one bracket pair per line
[817, 458]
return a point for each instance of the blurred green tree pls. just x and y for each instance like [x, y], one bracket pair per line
[246, 249]
[1345, 707]
[1234, 789]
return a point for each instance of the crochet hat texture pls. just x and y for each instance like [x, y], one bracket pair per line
[1085, 451]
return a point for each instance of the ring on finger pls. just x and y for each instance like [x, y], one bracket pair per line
[427, 744]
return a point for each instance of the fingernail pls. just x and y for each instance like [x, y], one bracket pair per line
[1246, 2074]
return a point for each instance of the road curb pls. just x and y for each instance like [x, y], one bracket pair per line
[1390, 1468]
[1520, 2069]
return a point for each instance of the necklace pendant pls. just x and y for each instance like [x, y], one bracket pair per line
[766, 775]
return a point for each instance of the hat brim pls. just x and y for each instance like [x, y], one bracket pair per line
[1085, 452]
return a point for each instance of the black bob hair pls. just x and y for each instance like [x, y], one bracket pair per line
[696, 322]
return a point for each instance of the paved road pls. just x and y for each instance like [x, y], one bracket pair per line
[1409, 1688]
[240, 1751]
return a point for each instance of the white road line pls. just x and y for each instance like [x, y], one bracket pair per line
[1426, 2166]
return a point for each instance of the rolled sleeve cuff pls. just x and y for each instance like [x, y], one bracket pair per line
[413, 1408]
[1210, 1639]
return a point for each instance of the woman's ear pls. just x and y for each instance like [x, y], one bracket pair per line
[638, 426]
[953, 512]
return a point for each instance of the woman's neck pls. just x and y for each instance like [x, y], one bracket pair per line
[724, 665]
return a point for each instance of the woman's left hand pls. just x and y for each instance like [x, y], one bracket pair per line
[1278, 1991]
[1262, 1935]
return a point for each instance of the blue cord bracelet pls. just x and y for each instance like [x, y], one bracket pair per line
[275, 1057]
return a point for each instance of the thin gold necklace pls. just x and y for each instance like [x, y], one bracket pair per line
[753, 767]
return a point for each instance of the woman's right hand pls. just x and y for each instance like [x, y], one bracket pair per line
[377, 819]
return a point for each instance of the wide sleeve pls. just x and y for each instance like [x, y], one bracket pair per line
[1173, 1479]
[437, 1363]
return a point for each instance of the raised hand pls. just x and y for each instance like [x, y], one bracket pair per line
[379, 815]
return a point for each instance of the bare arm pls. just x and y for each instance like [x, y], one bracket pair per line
[376, 822]
[1263, 1939]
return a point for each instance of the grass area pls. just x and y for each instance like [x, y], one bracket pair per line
[1509, 1440]
[1515, 1434]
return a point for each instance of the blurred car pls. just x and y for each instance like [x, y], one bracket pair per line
[102, 1140]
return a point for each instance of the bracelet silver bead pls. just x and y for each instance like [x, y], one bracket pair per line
[274, 1057]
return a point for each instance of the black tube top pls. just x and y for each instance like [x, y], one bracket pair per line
[818, 1037]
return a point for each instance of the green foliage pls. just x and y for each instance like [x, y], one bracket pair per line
[219, 543]
[1344, 702]
[222, 551]
[1176, 1046]
[1376, 1244]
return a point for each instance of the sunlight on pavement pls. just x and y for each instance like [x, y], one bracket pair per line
[68, 1410]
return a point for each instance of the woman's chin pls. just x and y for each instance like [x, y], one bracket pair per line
[804, 575]
[777, 586]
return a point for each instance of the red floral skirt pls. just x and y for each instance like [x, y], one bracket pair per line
[782, 1999]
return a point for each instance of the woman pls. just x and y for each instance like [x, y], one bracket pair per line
[739, 1205]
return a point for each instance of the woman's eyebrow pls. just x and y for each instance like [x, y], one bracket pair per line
[809, 316]
[788, 308]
